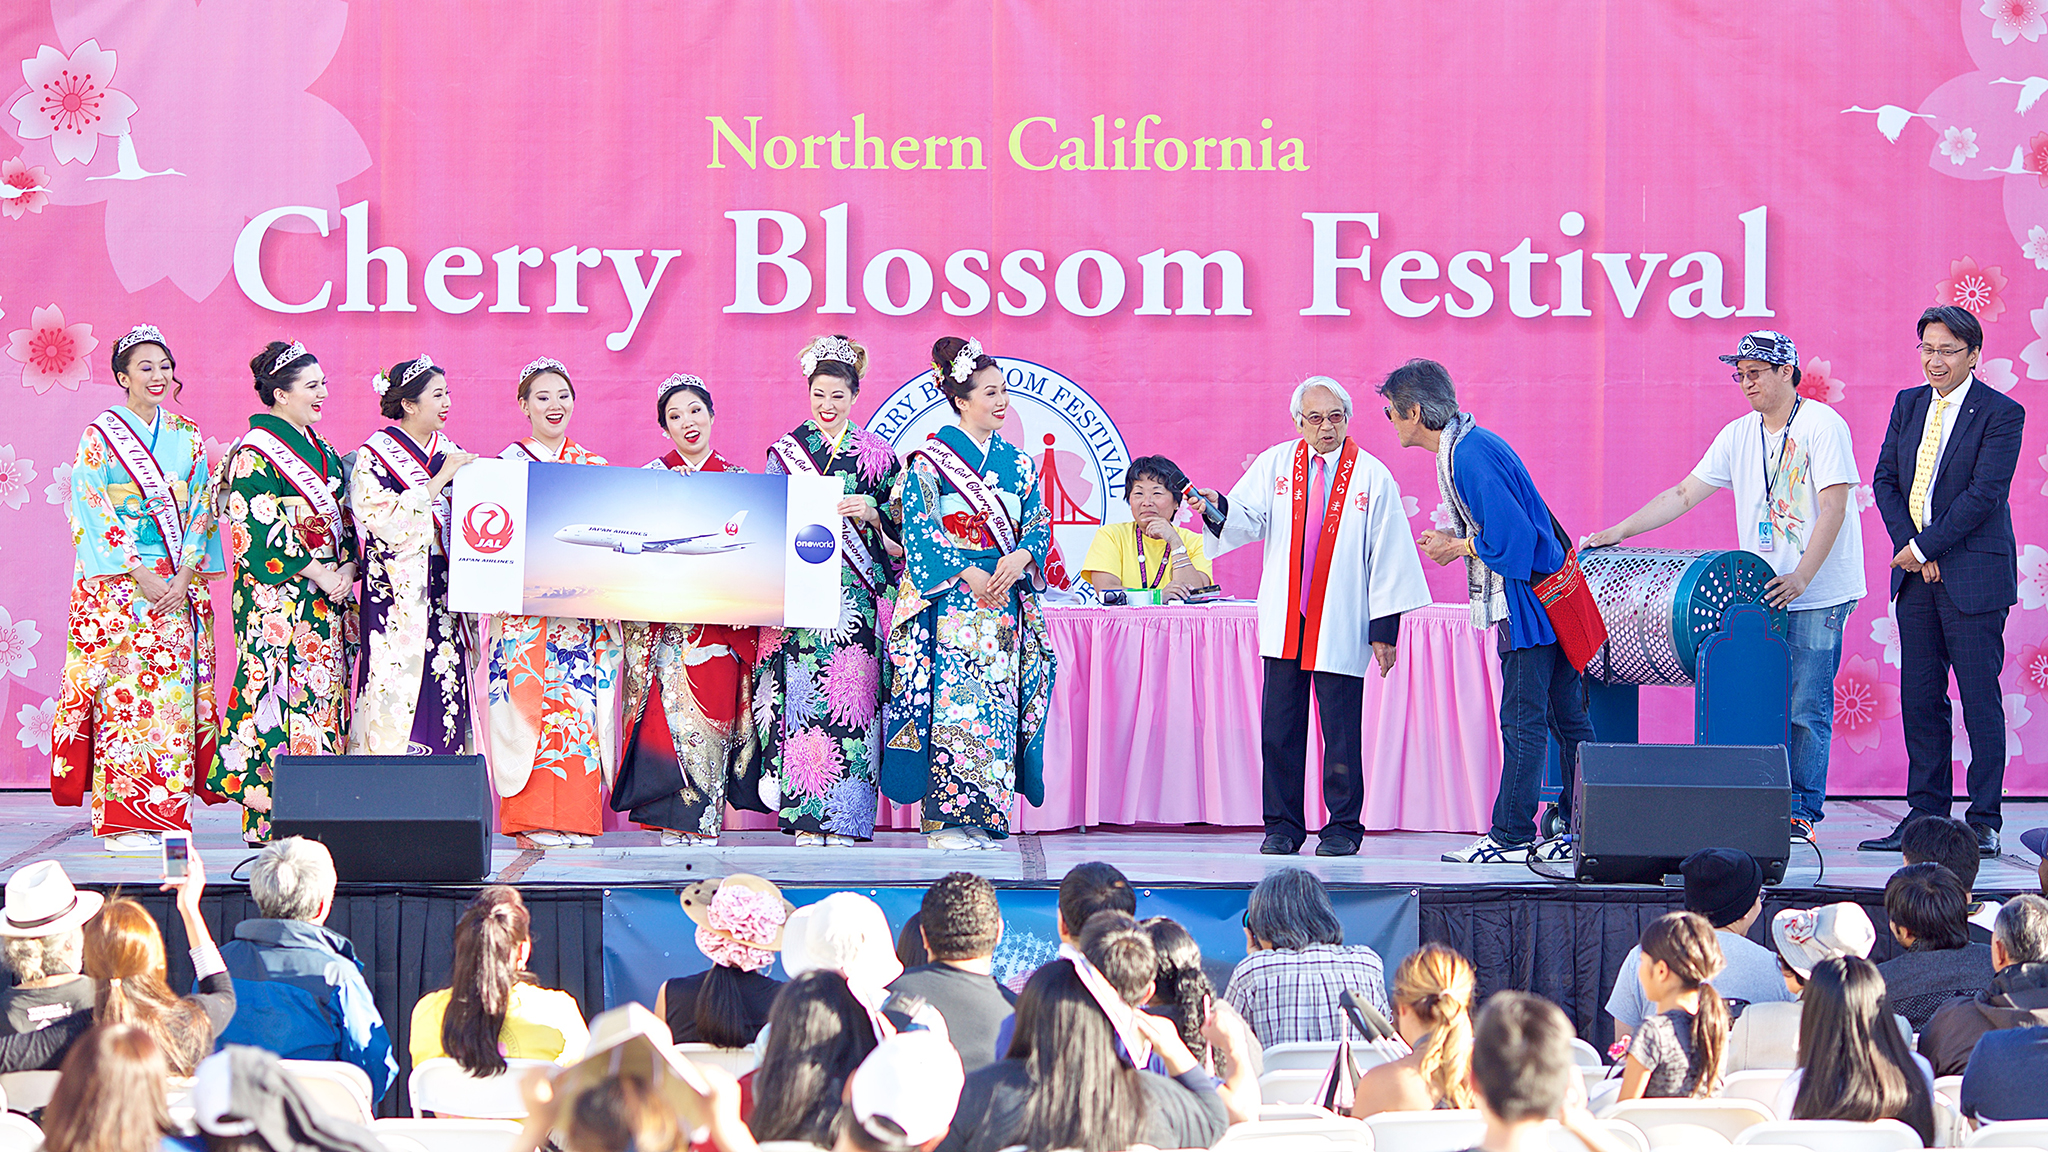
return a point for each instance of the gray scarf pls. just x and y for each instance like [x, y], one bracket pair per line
[1488, 592]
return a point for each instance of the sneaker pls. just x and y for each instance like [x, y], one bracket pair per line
[1487, 850]
[1553, 851]
[1802, 829]
[951, 840]
[811, 840]
[132, 844]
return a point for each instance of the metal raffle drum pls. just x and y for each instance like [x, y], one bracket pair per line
[1660, 603]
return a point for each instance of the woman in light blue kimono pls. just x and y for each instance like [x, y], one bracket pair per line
[970, 664]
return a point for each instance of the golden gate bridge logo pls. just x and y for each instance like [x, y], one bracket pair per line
[1079, 453]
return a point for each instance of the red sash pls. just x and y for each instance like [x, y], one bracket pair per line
[852, 548]
[1301, 641]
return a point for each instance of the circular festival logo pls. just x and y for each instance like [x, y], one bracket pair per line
[487, 528]
[815, 543]
[1079, 454]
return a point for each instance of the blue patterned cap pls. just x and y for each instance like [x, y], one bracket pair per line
[1767, 346]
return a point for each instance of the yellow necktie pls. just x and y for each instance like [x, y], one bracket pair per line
[1923, 468]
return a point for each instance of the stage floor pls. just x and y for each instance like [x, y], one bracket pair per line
[32, 828]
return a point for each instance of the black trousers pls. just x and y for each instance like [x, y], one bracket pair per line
[1934, 638]
[1283, 748]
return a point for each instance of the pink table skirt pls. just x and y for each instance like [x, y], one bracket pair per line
[1155, 720]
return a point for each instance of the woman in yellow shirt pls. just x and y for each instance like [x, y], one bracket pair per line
[493, 1010]
[1150, 551]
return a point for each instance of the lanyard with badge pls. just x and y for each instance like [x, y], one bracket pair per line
[1765, 532]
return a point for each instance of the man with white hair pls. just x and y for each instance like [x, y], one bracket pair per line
[299, 989]
[1340, 570]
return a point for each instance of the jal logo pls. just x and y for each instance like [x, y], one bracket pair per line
[815, 543]
[487, 528]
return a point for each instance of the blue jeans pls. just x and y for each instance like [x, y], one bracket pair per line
[1540, 694]
[1815, 638]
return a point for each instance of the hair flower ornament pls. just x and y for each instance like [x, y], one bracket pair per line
[962, 366]
[380, 383]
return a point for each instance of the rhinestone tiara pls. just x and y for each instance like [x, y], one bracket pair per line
[544, 364]
[835, 348]
[418, 368]
[286, 355]
[678, 380]
[140, 334]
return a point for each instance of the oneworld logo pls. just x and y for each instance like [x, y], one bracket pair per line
[815, 543]
[487, 528]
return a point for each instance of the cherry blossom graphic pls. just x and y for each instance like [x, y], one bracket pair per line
[1865, 697]
[18, 639]
[1864, 496]
[2033, 669]
[2036, 247]
[2016, 716]
[2012, 19]
[58, 490]
[1998, 373]
[1817, 381]
[52, 352]
[2043, 462]
[22, 188]
[2033, 576]
[2035, 355]
[15, 477]
[1442, 518]
[1410, 506]
[1885, 631]
[1958, 144]
[177, 189]
[38, 721]
[69, 102]
[2035, 159]
[1974, 288]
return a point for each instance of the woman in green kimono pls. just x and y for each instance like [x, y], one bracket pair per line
[971, 666]
[293, 547]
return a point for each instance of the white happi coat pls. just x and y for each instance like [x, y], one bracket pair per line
[1372, 568]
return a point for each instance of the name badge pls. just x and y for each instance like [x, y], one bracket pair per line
[1765, 541]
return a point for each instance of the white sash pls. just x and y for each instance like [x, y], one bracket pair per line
[412, 474]
[157, 497]
[536, 457]
[851, 547]
[296, 472]
[979, 495]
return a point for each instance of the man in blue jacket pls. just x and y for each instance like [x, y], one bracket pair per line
[299, 989]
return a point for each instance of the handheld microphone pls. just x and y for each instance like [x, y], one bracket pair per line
[1212, 515]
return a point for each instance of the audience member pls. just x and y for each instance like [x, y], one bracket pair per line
[739, 921]
[1925, 903]
[50, 1004]
[124, 954]
[629, 1093]
[2016, 998]
[1725, 886]
[1767, 1035]
[1524, 1076]
[1853, 1064]
[1090, 888]
[493, 1009]
[243, 1100]
[1289, 987]
[900, 1099]
[960, 924]
[2004, 1077]
[1951, 843]
[910, 951]
[847, 933]
[110, 1097]
[1432, 1002]
[1677, 1051]
[818, 1033]
[1183, 993]
[299, 984]
[2036, 841]
[1114, 945]
[1062, 1084]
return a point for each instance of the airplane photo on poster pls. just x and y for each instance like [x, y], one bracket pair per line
[633, 542]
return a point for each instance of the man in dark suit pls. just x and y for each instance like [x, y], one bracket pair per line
[1942, 482]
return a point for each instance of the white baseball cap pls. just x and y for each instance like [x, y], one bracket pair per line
[904, 1093]
[1807, 936]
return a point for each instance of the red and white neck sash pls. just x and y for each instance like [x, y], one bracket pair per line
[1302, 642]
[404, 465]
[797, 462]
[978, 492]
[319, 530]
[158, 498]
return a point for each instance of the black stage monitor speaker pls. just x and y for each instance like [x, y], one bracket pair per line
[1639, 809]
[389, 819]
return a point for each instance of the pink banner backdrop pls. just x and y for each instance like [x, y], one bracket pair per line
[1162, 216]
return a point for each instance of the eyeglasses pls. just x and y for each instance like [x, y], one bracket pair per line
[1388, 411]
[1944, 353]
[1246, 919]
[1754, 374]
[1318, 419]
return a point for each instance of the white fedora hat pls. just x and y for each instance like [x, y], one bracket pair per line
[845, 933]
[42, 902]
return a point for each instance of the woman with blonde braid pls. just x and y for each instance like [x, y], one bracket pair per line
[1432, 1010]
[1677, 1052]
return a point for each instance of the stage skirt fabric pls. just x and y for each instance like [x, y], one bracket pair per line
[687, 725]
[135, 726]
[818, 693]
[413, 694]
[294, 645]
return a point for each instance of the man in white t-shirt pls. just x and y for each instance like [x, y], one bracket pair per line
[1790, 466]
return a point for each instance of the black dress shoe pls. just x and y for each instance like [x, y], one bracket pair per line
[1987, 840]
[1892, 843]
[1277, 844]
[1336, 846]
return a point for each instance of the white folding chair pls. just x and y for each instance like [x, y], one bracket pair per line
[447, 1135]
[1692, 1119]
[1290, 1085]
[27, 1091]
[1620, 1132]
[1951, 1087]
[1327, 1134]
[1293, 1112]
[1758, 1084]
[441, 1086]
[18, 1134]
[1444, 1130]
[1305, 1054]
[1585, 1055]
[1835, 1135]
[738, 1061]
[2009, 1134]
[340, 1089]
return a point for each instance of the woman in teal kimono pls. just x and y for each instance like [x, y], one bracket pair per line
[818, 691]
[971, 666]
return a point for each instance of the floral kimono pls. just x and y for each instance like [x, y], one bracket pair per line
[412, 695]
[553, 713]
[687, 723]
[135, 726]
[282, 506]
[968, 685]
[818, 693]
